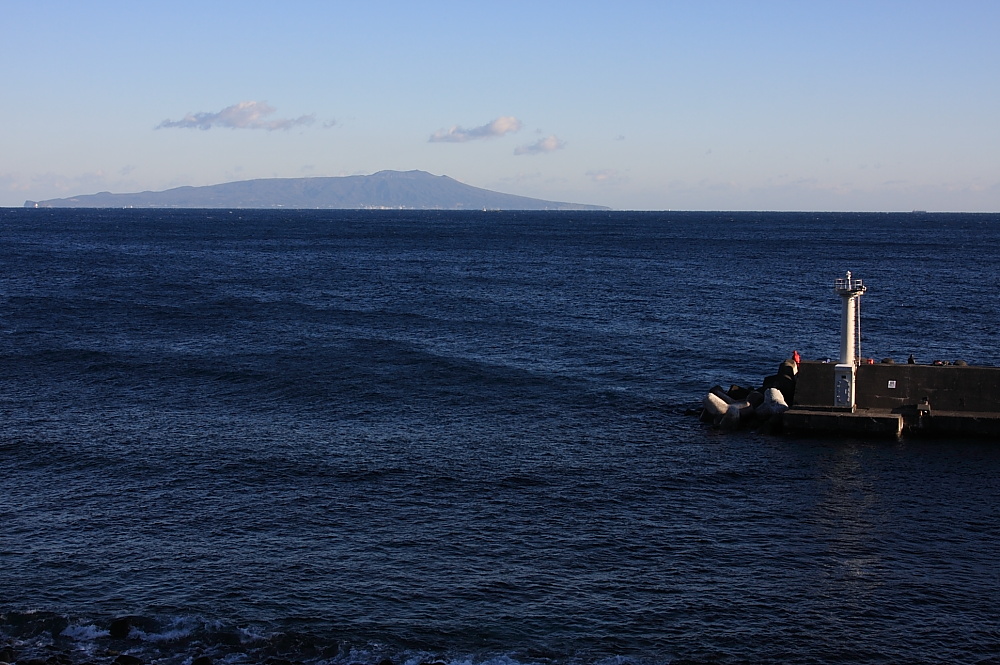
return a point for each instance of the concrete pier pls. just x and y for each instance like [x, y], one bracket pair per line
[892, 398]
[852, 396]
[859, 421]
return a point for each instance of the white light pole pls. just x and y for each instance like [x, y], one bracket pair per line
[850, 291]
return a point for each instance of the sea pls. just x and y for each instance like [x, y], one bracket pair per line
[381, 437]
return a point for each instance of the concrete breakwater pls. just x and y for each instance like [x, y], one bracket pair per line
[890, 399]
[852, 396]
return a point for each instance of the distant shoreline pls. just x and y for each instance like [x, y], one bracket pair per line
[385, 190]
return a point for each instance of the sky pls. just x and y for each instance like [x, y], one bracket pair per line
[637, 105]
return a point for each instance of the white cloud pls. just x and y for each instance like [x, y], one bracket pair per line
[550, 143]
[87, 182]
[12, 183]
[503, 125]
[245, 115]
[523, 177]
[605, 175]
[48, 185]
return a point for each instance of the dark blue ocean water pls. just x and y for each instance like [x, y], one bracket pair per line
[342, 438]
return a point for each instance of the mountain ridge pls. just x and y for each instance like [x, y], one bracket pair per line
[415, 190]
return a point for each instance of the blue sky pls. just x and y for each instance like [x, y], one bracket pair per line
[694, 105]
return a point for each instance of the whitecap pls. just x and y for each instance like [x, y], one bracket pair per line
[251, 634]
[178, 629]
[85, 633]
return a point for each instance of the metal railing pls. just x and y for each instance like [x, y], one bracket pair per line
[846, 284]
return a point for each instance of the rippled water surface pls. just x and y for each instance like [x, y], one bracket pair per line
[346, 437]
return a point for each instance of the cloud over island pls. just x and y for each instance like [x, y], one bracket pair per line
[503, 125]
[244, 115]
[550, 143]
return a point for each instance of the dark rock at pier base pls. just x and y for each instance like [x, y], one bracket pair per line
[121, 627]
[126, 659]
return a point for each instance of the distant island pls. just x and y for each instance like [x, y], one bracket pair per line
[413, 190]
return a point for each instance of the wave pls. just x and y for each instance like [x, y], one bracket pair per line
[46, 638]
